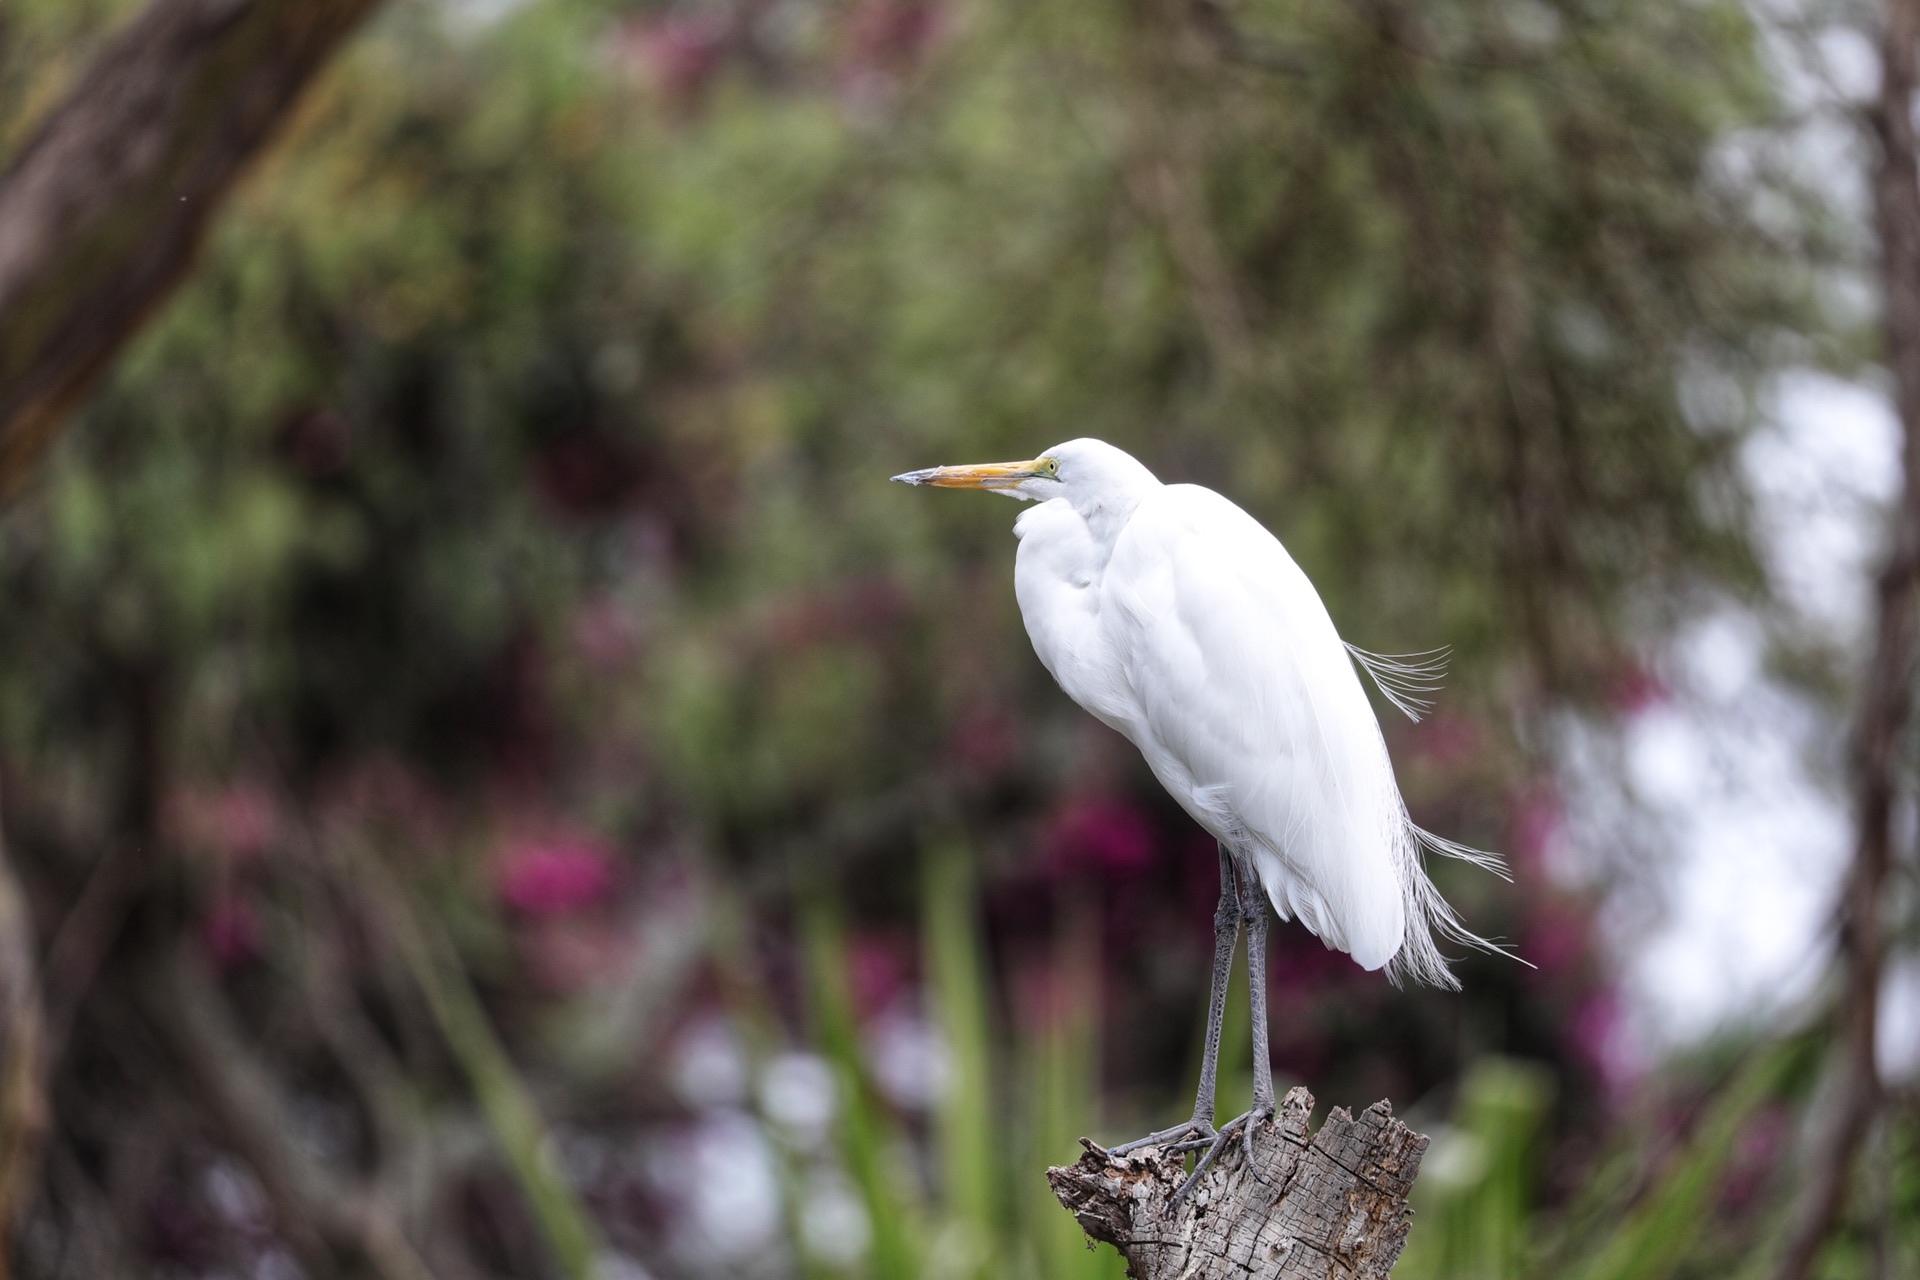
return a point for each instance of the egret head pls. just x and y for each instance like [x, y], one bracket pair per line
[1088, 473]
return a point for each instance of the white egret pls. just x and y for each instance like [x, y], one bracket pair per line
[1175, 618]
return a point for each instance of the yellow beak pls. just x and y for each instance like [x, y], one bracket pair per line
[983, 475]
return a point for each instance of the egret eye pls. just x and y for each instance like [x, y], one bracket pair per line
[1053, 468]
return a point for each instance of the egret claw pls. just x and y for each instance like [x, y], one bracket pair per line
[1178, 1133]
[1200, 1166]
[1245, 1126]
[1253, 1119]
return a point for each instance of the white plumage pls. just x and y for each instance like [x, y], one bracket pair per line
[1174, 617]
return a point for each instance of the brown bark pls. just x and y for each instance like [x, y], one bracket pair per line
[1333, 1203]
[104, 207]
[1886, 700]
[23, 1100]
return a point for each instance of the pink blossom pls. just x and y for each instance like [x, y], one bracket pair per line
[383, 790]
[1633, 689]
[569, 953]
[1557, 937]
[1048, 995]
[238, 822]
[861, 609]
[231, 931]
[554, 877]
[877, 970]
[1102, 836]
[605, 633]
[1538, 821]
[888, 34]
[1756, 1158]
[1598, 1031]
[674, 52]
[1446, 739]
[247, 820]
[1303, 968]
[885, 41]
[987, 739]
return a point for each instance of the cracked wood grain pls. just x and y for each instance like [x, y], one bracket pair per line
[1332, 1203]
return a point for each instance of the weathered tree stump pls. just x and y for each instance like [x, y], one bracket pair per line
[1333, 1203]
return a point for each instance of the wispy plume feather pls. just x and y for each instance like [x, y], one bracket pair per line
[1407, 680]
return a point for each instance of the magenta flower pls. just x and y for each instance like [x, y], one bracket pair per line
[246, 819]
[1756, 1158]
[1598, 1031]
[605, 634]
[383, 792]
[238, 822]
[878, 969]
[1447, 739]
[554, 877]
[1047, 995]
[1303, 969]
[1558, 937]
[675, 53]
[1633, 689]
[987, 740]
[1538, 821]
[886, 34]
[231, 932]
[1100, 836]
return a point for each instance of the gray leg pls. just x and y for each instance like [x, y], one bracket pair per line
[1253, 914]
[1226, 937]
[1257, 922]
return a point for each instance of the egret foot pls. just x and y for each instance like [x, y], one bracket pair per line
[1179, 1133]
[1261, 1111]
[1211, 1147]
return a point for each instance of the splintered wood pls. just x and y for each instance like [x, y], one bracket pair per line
[1332, 1204]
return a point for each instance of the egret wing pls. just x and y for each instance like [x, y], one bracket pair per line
[1253, 715]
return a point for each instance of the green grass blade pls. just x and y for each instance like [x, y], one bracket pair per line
[965, 1129]
[743, 993]
[1655, 1239]
[1064, 1091]
[509, 1109]
[1473, 1202]
[867, 1142]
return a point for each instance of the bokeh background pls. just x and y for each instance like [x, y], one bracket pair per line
[502, 786]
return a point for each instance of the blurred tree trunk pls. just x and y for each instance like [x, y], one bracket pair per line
[102, 210]
[1886, 693]
[23, 1104]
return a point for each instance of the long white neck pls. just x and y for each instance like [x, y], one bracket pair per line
[1065, 545]
[1106, 501]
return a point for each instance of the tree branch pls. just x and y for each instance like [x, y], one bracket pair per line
[103, 210]
[318, 1212]
[1333, 1203]
[23, 1098]
[1886, 701]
